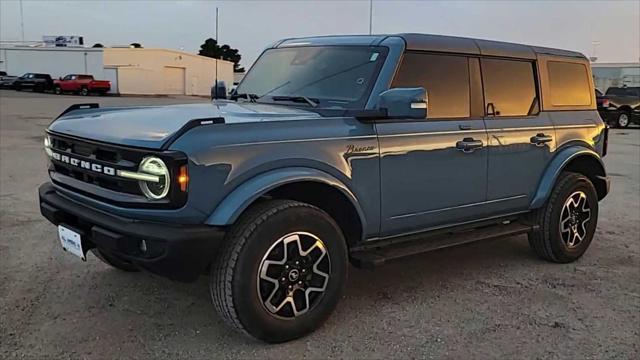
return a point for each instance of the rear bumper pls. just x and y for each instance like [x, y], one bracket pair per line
[178, 252]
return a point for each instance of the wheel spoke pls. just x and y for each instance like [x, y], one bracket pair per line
[300, 274]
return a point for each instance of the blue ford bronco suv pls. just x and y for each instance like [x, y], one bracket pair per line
[333, 151]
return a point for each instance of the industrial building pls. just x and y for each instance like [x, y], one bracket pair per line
[606, 75]
[163, 71]
[132, 71]
[56, 61]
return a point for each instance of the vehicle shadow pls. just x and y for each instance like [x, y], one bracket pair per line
[187, 309]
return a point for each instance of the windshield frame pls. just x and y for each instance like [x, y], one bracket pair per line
[358, 104]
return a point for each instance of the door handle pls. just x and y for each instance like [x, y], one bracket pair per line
[541, 139]
[469, 145]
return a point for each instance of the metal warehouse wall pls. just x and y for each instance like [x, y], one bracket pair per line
[165, 72]
[54, 61]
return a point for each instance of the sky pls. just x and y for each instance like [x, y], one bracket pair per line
[251, 25]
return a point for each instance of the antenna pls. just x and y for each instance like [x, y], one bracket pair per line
[218, 45]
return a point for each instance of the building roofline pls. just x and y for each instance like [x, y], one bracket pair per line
[166, 50]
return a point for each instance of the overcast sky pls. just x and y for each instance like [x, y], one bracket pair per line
[251, 25]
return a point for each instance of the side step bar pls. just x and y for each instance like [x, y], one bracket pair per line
[377, 256]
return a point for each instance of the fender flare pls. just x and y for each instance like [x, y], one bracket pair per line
[236, 202]
[555, 167]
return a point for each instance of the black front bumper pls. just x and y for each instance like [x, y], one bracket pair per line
[179, 252]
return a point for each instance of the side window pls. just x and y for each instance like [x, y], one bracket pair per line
[568, 84]
[73, 77]
[509, 87]
[68, 77]
[446, 79]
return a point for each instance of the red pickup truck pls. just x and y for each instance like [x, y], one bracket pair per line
[81, 84]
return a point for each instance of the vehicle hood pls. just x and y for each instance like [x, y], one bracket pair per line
[155, 127]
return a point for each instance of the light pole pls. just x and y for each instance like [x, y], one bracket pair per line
[21, 22]
[370, 16]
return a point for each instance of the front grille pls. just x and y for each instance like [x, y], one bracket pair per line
[117, 157]
[69, 171]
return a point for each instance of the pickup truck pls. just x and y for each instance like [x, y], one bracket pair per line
[81, 84]
[6, 81]
[620, 106]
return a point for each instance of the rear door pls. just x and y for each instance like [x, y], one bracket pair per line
[521, 138]
[426, 181]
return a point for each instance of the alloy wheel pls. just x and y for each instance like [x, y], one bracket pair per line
[574, 217]
[293, 275]
[623, 120]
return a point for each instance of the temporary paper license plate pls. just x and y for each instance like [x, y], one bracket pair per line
[71, 241]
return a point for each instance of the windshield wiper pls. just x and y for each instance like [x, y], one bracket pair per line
[248, 96]
[311, 102]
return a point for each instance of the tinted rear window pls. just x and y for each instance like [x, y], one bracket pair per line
[568, 84]
[510, 86]
[446, 79]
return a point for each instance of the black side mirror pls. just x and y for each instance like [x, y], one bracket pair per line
[219, 90]
[406, 103]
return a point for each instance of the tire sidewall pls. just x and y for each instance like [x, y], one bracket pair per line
[618, 124]
[251, 312]
[580, 184]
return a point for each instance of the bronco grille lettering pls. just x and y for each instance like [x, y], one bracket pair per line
[107, 170]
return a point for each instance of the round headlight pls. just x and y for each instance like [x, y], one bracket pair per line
[155, 166]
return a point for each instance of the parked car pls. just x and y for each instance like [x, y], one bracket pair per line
[620, 106]
[34, 81]
[331, 152]
[81, 84]
[6, 81]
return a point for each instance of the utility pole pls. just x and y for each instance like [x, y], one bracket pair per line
[21, 21]
[370, 16]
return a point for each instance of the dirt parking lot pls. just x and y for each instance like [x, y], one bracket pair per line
[485, 300]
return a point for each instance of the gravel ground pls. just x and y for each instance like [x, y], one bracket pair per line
[484, 300]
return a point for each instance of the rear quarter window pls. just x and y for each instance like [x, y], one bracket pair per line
[568, 84]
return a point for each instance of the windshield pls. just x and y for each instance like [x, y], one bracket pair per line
[332, 76]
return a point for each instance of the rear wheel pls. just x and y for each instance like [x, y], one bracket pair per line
[280, 272]
[567, 222]
[84, 91]
[623, 119]
[114, 261]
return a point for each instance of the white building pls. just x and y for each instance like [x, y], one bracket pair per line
[606, 75]
[134, 71]
[56, 61]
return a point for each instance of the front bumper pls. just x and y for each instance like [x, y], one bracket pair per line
[179, 252]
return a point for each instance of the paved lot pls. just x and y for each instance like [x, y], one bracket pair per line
[485, 300]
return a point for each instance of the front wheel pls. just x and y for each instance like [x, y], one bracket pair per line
[84, 91]
[57, 90]
[280, 272]
[567, 221]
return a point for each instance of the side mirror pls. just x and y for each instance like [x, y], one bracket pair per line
[406, 103]
[219, 90]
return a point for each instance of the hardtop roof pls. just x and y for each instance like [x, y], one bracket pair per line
[438, 43]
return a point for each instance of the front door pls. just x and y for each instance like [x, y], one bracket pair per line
[434, 171]
[521, 138]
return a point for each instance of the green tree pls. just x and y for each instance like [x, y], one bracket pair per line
[211, 49]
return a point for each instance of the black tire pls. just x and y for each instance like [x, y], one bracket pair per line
[57, 90]
[235, 282]
[623, 120]
[549, 242]
[84, 91]
[18, 88]
[114, 261]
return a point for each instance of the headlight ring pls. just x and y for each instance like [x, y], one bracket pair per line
[155, 166]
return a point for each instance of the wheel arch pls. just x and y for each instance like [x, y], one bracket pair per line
[575, 159]
[307, 185]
